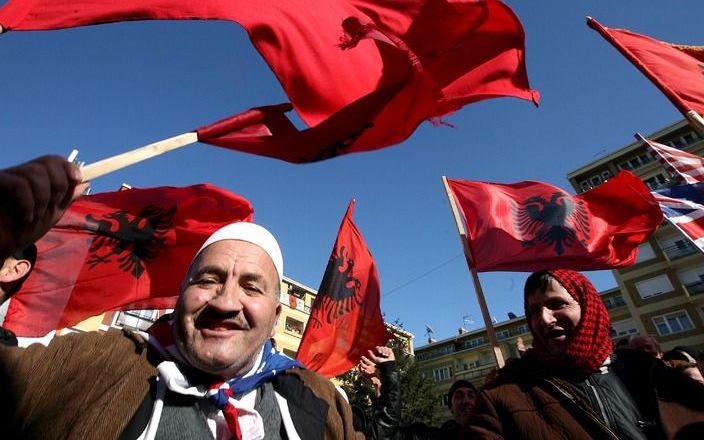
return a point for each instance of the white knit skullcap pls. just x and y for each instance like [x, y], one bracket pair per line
[250, 233]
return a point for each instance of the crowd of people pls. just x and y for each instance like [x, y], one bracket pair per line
[210, 370]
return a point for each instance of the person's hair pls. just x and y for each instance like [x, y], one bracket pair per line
[30, 254]
[622, 343]
[456, 386]
[537, 282]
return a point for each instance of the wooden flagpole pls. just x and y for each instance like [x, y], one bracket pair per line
[475, 276]
[696, 121]
[132, 157]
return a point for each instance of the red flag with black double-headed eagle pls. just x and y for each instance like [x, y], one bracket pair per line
[529, 226]
[123, 250]
[345, 319]
[362, 74]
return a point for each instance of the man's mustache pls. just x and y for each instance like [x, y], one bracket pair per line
[210, 315]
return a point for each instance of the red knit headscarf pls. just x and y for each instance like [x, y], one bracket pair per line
[590, 342]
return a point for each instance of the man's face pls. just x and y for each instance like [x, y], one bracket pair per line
[462, 404]
[646, 345]
[228, 308]
[554, 315]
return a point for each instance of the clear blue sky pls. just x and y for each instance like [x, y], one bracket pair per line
[110, 88]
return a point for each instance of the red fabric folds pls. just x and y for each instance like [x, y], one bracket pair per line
[677, 70]
[529, 226]
[121, 250]
[374, 70]
[345, 319]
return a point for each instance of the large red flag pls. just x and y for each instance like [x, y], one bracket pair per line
[677, 70]
[345, 319]
[530, 226]
[372, 69]
[121, 250]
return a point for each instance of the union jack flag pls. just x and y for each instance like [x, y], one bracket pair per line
[683, 206]
[686, 167]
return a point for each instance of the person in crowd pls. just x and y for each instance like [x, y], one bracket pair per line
[646, 344]
[621, 344]
[210, 372]
[571, 386]
[461, 399]
[379, 366]
[684, 359]
[14, 271]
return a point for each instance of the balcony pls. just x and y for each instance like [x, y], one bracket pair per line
[679, 250]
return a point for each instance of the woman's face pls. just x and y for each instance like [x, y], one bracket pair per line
[554, 316]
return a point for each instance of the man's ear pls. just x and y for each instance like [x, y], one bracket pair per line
[14, 270]
[276, 321]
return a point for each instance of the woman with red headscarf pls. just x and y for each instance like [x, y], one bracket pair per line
[571, 386]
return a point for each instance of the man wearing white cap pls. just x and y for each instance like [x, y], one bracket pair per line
[210, 372]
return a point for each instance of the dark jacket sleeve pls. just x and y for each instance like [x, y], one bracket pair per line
[387, 410]
[485, 424]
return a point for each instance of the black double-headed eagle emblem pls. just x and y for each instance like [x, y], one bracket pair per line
[339, 291]
[132, 240]
[559, 221]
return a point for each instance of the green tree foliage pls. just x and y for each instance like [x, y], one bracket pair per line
[417, 397]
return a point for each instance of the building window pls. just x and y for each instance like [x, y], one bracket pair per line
[585, 186]
[522, 329]
[624, 166]
[657, 181]
[471, 364]
[614, 301]
[693, 280]
[440, 374]
[444, 400]
[294, 326]
[676, 247]
[623, 328]
[654, 286]
[645, 158]
[476, 342]
[595, 181]
[645, 253]
[136, 319]
[673, 323]
[678, 143]
[502, 334]
[606, 175]
[690, 138]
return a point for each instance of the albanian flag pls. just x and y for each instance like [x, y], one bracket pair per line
[529, 226]
[362, 74]
[345, 319]
[122, 250]
[677, 70]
